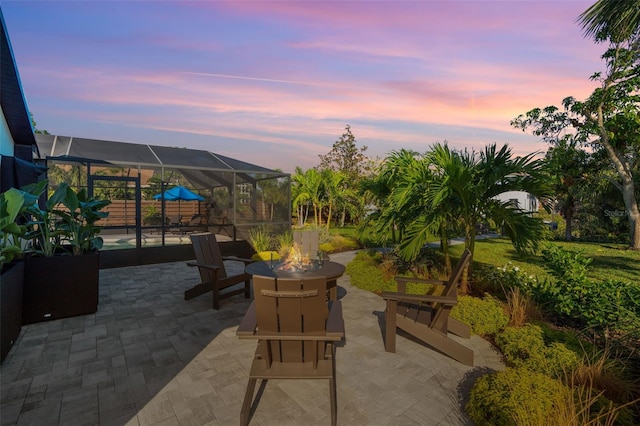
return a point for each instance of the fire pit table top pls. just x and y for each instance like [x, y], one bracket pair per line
[330, 270]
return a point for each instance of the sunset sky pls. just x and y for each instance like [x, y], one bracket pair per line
[275, 83]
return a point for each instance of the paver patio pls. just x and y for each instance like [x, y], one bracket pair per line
[147, 357]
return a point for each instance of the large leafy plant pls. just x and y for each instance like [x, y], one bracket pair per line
[14, 203]
[79, 219]
[67, 220]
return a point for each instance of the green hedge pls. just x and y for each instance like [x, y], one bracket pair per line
[485, 316]
[525, 347]
[499, 399]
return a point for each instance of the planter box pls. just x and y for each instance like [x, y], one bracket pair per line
[60, 287]
[11, 284]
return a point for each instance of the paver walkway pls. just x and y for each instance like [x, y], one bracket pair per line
[147, 357]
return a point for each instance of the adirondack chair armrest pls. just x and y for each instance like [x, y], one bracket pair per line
[294, 337]
[403, 297]
[419, 280]
[204, 265]
[238, 259]
[247, 327]
[335, 321]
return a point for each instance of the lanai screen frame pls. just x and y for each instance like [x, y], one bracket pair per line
[203, 169]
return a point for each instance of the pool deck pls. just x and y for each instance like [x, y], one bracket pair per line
[148, 357]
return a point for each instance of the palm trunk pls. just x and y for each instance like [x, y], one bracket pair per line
[470, 243]
[444, 245]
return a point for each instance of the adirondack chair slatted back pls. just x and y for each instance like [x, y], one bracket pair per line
[440, 311]
[433, 314]
[291, 306]
[308, 242]
[207, 251]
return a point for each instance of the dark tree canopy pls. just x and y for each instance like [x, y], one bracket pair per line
[346, 157]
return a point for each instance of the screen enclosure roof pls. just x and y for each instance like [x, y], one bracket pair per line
[202, 168]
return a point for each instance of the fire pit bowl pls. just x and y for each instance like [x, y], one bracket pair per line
[294, 266]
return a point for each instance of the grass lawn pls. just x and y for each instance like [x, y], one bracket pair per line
[611, 261]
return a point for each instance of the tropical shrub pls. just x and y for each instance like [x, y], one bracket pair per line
[524, 347]
[152, 216]
[485, 316]
[364, 273]
[284, 242]
[496, 399]
[501, 279]
[518, 396]
[260, 239]
[339, 243]
[585, 302]
[267, 255]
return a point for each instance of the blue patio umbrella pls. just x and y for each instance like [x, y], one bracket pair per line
[179, 193]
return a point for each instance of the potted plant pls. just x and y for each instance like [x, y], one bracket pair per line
[13, 205]
[62, 272]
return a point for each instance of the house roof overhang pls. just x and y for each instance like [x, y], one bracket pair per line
[14, 106]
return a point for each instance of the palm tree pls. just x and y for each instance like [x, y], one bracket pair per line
[300, 196]
[387, 222]
[308, 188]
[446, 187]
[333, 188]
[614, 20]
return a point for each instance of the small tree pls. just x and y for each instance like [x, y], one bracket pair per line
[351, 162]
[608, 121]
[566, 166]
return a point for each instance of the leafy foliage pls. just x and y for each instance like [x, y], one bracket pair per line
[14, 203]
[607, 122]
[519, 396]
[448, 192]
[365, 274]
[78, 219]
[485, 316]
[504, 278]
[261, 239]
[603, 305]
[525, 347]
[496, 398]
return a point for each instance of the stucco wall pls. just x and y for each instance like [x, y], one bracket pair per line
[526, 201]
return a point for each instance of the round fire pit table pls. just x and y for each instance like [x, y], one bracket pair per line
[331, 270]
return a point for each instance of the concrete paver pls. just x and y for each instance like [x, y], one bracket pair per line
[148, 357]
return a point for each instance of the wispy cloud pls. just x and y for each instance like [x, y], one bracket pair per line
[277, 81]
[274, 80]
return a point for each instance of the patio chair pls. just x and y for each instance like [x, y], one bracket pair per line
[210, 264]
[297, 331]
[308, 242]
[195, 225]
[426, 317]
[174, 220]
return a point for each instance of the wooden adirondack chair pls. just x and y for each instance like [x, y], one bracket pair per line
[308, 242]
[296, 329]
[426, 317]
[210, 264]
